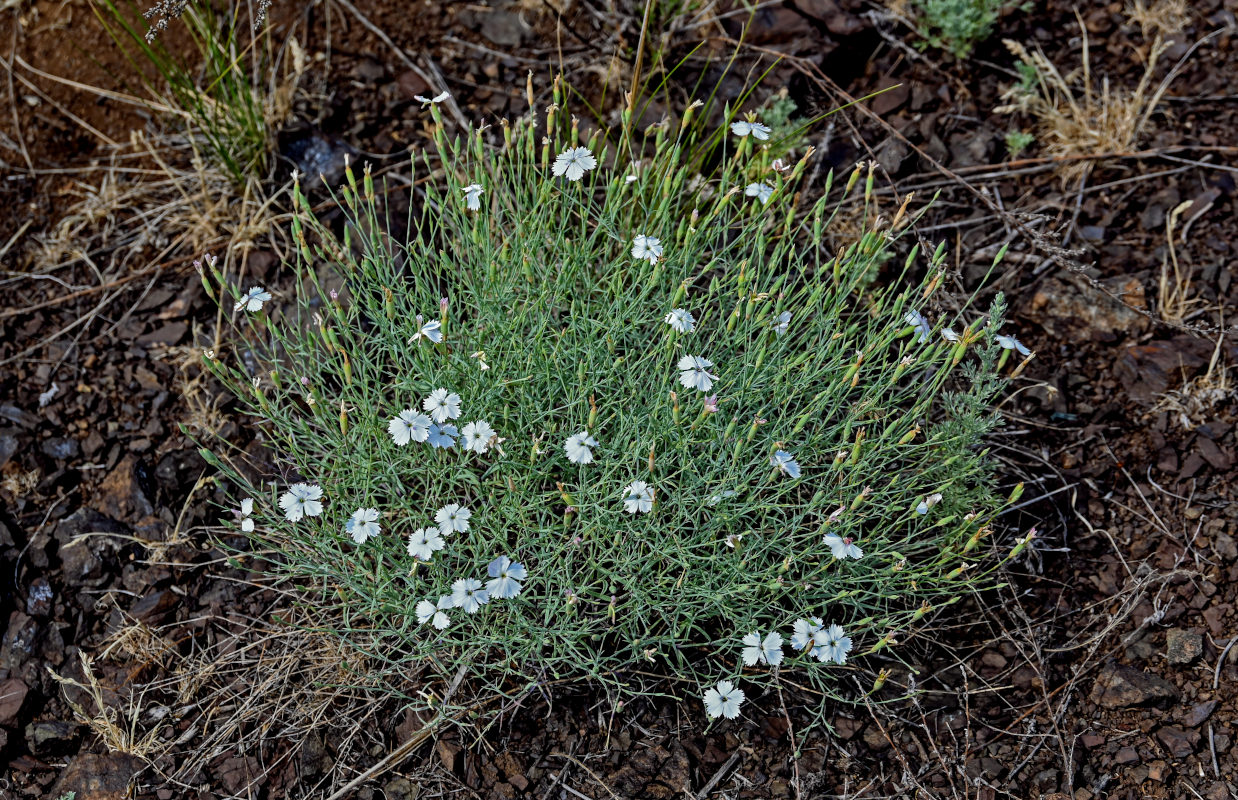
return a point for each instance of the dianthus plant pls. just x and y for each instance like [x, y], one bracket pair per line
[658, 423]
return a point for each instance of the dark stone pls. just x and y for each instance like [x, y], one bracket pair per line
[23, 419]
[79, 550]
[12, 695]
[39, 598]
[19, 641]
[400, 789]
[1126, 755]
[1183, 647]
[1199, 713]
[52, 737]
[95, 776]
[154, 607]
[63, 449]
[1122, 687]
[8, 446]
[315, 758]
[1180, 743]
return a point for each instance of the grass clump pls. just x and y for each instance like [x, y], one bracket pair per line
[222, 98]
[681, 423]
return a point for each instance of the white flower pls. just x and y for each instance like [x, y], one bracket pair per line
[443, 436]
[785, 463]
[803, 631]
[423, 542]
[438, 98]
[253, 299]
[928, 502]
[409, 426]
[1011, 343]
[833, 644]
[429, 612]
[732, 540]
[442, 405]
[630, 179]
[574, 163]
[453, 518]
[949, 335]
[763, 651]
[301, 500]
[743, 128]
[432, 330]
[842, 547]
[362, 525]
[638, 497]
[472, 196]
[723, 700]
[917, 320]
[783, 322]
[681, 320]
[505, 577]
[646, 247]
[247, 508]
[467, 593]
[694, 373]
[477, 436]
[763, 191]
[577, 447]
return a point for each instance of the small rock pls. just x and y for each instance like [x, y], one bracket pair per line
[94, 776]
[846, 727]
[39, 598]
[1070, 307]
[19, 641]
[875, 739]
[12, 694]
[1092, 740]
[401, 789]
[52, 737]
[994, 659]
[1122, 687]
[1225, 547]
[1127, 755]
[121, 494]
[837, 20]
[1180, 743]
[503, 28]
[152, 608]
[8, 446]
[1183, 647]
[449, 755]
[1147, 371]
[315, 760]
[1199, 713]
[63, 449]
[1156, 771]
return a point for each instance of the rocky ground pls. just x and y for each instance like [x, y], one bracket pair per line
[1104, 669]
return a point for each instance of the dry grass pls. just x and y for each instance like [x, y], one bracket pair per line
[1199, 398]
[1076, 115]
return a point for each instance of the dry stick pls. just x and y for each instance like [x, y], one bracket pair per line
[592, 774]
[21, 139]
[1216, 681]
[724, 769]
[408, 62]
[640, 54]
[823, 81]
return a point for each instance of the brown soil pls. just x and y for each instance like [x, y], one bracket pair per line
[1102, 670]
